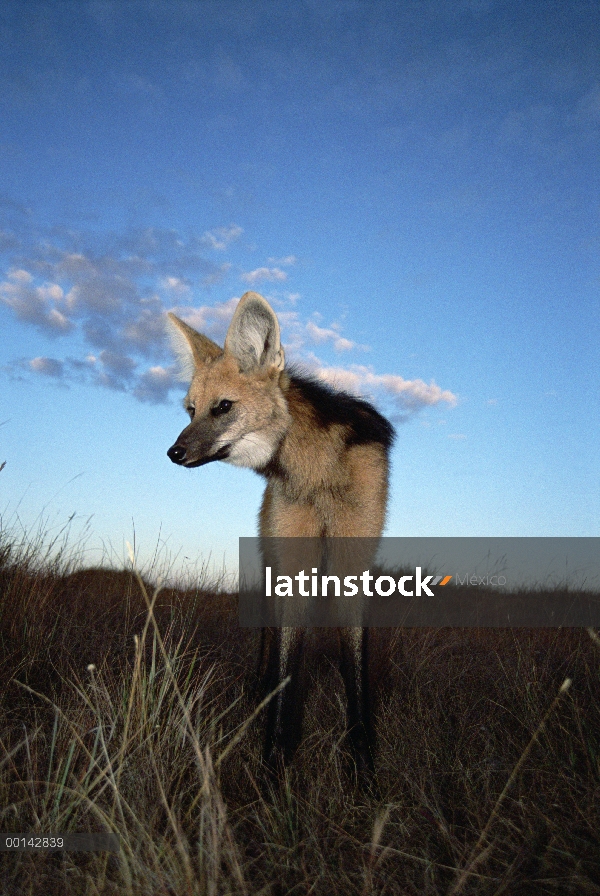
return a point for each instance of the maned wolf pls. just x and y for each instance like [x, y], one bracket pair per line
[324, 455]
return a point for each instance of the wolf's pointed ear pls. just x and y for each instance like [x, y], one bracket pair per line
[253, 336]
[192, 348]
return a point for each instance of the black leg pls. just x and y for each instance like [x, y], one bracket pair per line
[285, 709]
[354, 644]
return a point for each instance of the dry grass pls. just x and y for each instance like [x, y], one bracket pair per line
[127, 711]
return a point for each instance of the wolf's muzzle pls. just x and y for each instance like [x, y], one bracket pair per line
[177, 453]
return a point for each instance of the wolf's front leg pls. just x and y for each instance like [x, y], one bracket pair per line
[282, 658]
[354, 648]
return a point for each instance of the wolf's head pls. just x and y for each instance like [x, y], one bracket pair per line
[237, 408]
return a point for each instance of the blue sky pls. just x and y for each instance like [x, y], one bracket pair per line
[414, 187]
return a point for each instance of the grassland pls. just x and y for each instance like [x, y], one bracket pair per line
[115, 718]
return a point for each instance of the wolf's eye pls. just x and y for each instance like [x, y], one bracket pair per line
[222, 408]
[191, 411]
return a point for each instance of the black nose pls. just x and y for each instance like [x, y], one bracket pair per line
[176, 453]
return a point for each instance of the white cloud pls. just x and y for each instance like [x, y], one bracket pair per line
[284, 262]
[212, 320]
[176, 285]
[144, 331]
[47, 367]
[35, 304]
[105, 294]
[221, 237]
[74, 264]
[114, 290]
[116, 295]
[50, 292]
[118, 364]
[57, 321]
[154, 385]
[20, 276]
[409, 395]
[109, 381]
[323, 334]
[270, 274]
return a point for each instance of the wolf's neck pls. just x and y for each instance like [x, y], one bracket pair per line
[306, 451]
